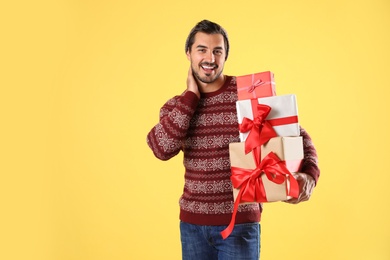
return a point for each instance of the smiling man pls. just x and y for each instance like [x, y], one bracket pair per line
[207, 55]
[201, 122]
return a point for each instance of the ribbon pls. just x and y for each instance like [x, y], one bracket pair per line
[250, 181]
[260, 130]
[255, 84]
[251, 186]
[283, 120]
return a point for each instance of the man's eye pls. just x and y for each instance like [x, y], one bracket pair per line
[202, 50]
[218, 52]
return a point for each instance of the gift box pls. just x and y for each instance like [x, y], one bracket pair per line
[255, 85]
[276, 182]
[258, 180]
[288, 149]
[283, 115]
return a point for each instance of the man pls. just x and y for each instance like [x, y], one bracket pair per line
[201, 122]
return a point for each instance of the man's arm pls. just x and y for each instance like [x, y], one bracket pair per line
[308, 176]
[165, 139]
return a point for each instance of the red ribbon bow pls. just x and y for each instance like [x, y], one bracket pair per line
[260, 129]
[251, 185]
[255, 84]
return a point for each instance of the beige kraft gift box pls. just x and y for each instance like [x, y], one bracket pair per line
[288, 149]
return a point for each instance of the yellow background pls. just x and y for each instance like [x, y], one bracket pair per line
[82, 83]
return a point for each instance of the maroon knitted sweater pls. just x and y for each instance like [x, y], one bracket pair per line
[202, 129]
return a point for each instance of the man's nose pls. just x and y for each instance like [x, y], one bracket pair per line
[210, 57]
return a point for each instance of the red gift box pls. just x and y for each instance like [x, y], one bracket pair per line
[256, 85]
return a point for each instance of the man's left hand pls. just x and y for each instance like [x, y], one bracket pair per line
[306, 186]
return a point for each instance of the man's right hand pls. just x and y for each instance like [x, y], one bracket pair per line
[191, 83]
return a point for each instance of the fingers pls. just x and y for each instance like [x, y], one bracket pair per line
[306, 186]
[191, 83]
[190, 75]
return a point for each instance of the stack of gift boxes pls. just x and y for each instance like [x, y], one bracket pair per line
[270, 147]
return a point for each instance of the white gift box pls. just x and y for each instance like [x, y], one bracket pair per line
[283, 116]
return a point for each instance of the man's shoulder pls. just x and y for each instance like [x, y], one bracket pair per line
[230, 80]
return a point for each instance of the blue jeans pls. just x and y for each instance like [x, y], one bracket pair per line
[206, 242]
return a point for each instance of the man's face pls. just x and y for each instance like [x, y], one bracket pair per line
[207, 56]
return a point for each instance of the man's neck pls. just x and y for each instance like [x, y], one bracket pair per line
[211, 87]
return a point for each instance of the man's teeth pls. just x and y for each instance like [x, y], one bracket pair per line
[208, 67]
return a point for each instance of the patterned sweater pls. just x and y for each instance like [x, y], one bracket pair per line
[202, 129]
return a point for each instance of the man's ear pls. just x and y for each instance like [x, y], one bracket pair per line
[188, 55]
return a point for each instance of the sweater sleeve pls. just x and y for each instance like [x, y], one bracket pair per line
[310, 160]
[165, 138]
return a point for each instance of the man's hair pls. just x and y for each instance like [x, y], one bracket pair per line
[208, 27]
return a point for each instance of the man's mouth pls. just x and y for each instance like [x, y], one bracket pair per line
[208, 66]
